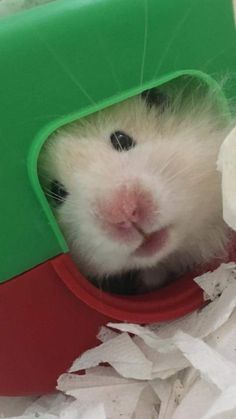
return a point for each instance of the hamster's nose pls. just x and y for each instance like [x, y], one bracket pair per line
[129, 206]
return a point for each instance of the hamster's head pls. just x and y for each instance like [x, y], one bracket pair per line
[136, 183]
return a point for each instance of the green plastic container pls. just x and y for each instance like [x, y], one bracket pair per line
[64, 60]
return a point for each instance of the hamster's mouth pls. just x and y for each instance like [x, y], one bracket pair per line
[152, 243]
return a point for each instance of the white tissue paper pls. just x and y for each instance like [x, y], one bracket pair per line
[184, 369]
[176, 370]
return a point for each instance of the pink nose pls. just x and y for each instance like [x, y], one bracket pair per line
[129, 206]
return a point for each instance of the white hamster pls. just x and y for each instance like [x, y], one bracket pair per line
[136, 189]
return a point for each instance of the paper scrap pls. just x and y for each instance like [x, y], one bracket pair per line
[219, 279]
[120, 352]
[212, 366]
[225, 403]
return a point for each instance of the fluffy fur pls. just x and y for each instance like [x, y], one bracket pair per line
[10, 7]
[174, 160]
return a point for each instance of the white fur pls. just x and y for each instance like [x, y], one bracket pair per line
[10, 7]
[174, 159]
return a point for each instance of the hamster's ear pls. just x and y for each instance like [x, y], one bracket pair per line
[154, 97]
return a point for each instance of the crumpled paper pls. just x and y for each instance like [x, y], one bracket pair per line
[195, 355]
[176, 370]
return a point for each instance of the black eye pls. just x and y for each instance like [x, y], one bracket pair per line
[58, 192]
[121, 141]
[155, 97]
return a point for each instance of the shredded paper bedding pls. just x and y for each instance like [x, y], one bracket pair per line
[180, 370]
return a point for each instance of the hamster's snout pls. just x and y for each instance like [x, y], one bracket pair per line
[128, 211]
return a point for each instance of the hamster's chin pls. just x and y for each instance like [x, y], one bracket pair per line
[117, 255]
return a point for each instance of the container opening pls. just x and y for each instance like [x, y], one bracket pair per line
[109, 180]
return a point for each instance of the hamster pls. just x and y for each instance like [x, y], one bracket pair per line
[135, 188]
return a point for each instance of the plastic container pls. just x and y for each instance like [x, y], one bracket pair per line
[59, 62]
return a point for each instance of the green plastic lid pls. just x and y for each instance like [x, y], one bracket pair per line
[69, 58]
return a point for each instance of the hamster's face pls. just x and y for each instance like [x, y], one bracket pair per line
[135, 183]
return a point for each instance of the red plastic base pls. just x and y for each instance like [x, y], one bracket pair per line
[43, 328]
[51, 314]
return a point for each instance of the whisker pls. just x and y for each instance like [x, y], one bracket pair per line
[117, 139]
[180, 172]
[188, 170]
[53, 195]
[144, 41]
[167, 163]
[171, 40]
[67, 70]
[110, 64]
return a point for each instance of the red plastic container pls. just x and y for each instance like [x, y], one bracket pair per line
[51, 314]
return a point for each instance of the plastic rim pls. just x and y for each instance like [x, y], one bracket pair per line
[173, 301]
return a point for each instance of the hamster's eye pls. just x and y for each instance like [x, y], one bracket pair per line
[121, 141]
[58, 192]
